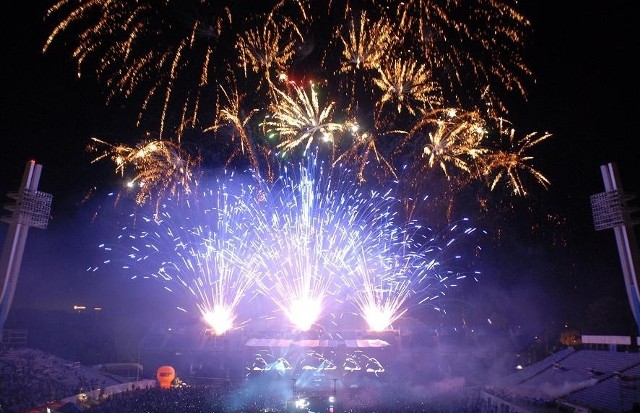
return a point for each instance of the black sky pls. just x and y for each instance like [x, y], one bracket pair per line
[587, 95]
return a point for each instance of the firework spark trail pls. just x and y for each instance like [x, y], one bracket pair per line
[438, 260]
[365, 43]
[267, 51]
[483, 49]
[410, 267]
[303, 233]
[237, 118]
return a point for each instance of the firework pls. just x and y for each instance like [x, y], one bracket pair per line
[237, 118]
[266, 51]
[365, 43]
[312, 243]
[121, 38]
[380, 302]
[454, 139]
[161, 168]
[407, 83]
[507, 164]
[299, 118]
[478, 49]
[399, 64]
[364, 149]
[307, 235]
[197, 249]
[412, 93]
[323, 243]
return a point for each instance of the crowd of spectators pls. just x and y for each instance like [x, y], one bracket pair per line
[30, 377]
[201, 399]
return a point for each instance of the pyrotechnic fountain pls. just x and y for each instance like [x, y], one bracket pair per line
[311, 244]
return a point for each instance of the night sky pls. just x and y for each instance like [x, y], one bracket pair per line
[587, 95]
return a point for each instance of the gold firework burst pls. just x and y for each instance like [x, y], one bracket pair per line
[160, 167]
[266, 50]
[454, 140]
[366, 43]
[297, 117]
[409, 85]
[507, 165]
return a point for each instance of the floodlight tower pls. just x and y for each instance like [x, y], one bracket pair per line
[31, 209]
[611, 210]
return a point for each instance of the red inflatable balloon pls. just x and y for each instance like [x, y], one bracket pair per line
[165, 376]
